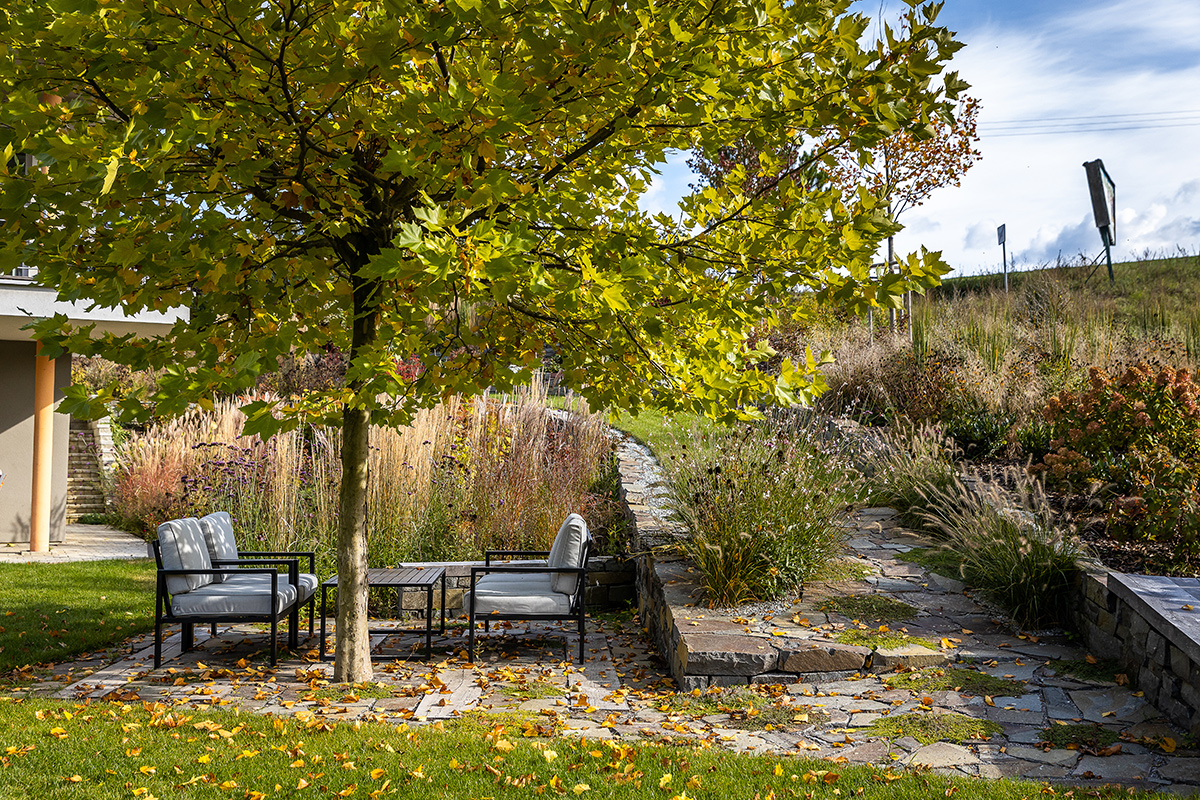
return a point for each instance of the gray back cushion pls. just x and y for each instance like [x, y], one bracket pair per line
[218, 537]
[181, 543]
[567, 551]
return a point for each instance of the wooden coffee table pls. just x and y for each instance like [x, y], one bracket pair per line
[398, 578]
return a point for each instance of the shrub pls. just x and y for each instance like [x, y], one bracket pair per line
[1010, 545]
[981, 434]
[1139, 435]
[912, 461]
[761, 504]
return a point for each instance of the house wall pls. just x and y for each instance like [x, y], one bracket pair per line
[16, 443]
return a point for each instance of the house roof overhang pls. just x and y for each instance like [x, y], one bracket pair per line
[22, 301]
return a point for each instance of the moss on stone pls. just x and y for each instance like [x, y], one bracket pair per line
[928, 728]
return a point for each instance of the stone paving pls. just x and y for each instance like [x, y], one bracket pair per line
[622, 690]
[80, 543]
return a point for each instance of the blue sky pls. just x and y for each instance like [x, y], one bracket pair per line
[1112, 79]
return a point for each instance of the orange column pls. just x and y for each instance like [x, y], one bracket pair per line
[43, 453]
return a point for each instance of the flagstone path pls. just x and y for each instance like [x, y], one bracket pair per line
[622, 691]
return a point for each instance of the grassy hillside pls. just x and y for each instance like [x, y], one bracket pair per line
[1160, 295]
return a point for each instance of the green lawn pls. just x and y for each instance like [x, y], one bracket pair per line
[113, 750]
[52, 612]
[663, 434]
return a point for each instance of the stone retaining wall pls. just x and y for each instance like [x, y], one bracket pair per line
[1131, 619]
[716, 647]
[610, 585]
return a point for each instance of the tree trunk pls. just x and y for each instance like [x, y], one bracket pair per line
[891, 260]
[352, 663]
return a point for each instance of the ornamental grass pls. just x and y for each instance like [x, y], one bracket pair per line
[466, 475]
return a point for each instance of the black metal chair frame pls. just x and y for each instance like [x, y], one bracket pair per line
[575, 612]
[260, 566]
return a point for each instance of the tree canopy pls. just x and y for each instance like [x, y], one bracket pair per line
[456, 182]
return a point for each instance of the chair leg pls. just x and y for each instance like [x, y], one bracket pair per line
[312, 604]
[581, 636]
[294, 628]
[485, 625]
[274, 641]
[213, 631]
[157, 642]
[189, 636]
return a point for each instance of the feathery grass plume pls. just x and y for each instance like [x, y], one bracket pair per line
[1010, 543]
[463, 477]
[911, 461]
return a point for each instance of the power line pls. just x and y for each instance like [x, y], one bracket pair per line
[1077, 129]
[1096, 116]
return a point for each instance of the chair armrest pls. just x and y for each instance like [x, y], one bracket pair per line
[293, 565]
[489, 554]
[271, 553]
[512, 570]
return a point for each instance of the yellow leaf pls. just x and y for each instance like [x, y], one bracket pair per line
[778, 770]
[204, 759]
[693, 782]
[580, 788]
[303, 784]
[147, 770]
[1091, 659]
[73, 779]
[229, 784]
[988, 699]
[549, 755]
[58, 733]
[946, 643]
[377, 773]
[349, 790]
[298, 763]
[1168, 744]
[664, 780]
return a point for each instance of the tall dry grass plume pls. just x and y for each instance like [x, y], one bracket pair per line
[497, 472]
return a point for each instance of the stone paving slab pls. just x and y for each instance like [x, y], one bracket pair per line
[80, 543]
[623, 691]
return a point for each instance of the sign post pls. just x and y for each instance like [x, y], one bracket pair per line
[1104, 207]
[1003, 255]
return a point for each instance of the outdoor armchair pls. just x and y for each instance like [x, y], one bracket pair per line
[552, 589]
[223, 551]
[190, 589]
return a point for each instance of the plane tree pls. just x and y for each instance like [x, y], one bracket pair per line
[452, 181]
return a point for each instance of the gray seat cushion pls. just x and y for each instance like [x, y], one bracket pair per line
[567, 551]
[218, 537]
[235, 597]
[504, 598]
[181, 544]
[515, 582]
[306, 581]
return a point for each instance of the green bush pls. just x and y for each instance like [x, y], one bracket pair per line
[980, 434]
[1138, 436]
[911, 461]
[761, 504]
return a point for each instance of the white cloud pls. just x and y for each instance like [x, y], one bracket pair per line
[1036, 184]
[1031, 61]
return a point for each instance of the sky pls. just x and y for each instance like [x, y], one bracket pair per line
[1060, 82]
